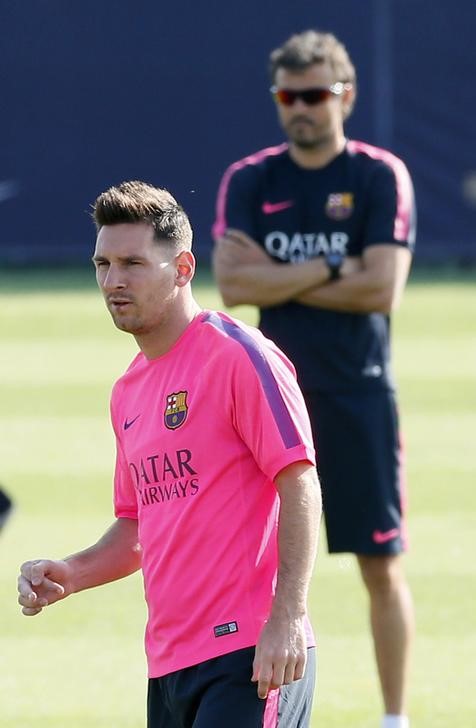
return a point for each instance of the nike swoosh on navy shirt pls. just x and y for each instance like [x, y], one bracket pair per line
[129, 423]
[269, 208]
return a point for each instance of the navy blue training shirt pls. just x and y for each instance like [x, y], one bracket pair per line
[362, 197]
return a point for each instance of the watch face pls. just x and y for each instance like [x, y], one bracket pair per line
[334, 260]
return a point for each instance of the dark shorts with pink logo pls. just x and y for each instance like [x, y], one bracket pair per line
[359, 458]
[218, 693]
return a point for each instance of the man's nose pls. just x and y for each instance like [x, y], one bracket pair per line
[299, 105]
[114, 278]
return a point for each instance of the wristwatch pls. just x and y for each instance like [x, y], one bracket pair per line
[334, 262]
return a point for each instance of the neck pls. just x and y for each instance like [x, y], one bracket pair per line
[319, 155]
[158, 342]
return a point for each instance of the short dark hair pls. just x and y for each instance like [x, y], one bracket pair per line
[309, 47]
[134, 202]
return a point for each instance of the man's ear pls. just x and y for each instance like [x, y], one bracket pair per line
[184, 268]
[348, 100]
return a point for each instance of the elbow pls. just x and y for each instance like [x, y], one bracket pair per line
[389, 301]
[385, 306]
[381, 301]
[230, 294]
[227, 285]
[388, 293]
[232, 290]
[229, 299]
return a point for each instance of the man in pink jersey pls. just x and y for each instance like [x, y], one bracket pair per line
[318, 232]
[215, 491]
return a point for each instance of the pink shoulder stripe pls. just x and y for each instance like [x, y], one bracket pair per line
[403, 220]
[220, 225]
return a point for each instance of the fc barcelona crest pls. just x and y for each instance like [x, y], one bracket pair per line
[175, 410]
[340, 205]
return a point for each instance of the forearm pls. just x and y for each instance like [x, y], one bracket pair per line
[356, 293]
[269, 283]
[299, 520]
[114, 556]
[376, 286]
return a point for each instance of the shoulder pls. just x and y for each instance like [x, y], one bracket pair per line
[135, 367]
[253, 164]
[228, 334]
[376, 160]
[230, 338]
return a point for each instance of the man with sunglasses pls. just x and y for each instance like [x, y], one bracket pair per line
[318, 232]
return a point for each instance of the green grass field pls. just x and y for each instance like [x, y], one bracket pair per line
[81, 663]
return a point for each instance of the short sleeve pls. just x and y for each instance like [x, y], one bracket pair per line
[268, 408]
[125, 499]
[236, 201]
[390, 213]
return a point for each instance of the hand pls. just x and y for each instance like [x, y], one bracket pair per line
[237, 248]
[280, 655]
[43, 582]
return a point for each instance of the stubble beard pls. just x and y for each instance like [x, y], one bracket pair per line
[130, 324]
[308, 142]
[137, 326]
[129, 327]
[313, 143]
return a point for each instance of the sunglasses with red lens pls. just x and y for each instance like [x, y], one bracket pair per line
[310, 96]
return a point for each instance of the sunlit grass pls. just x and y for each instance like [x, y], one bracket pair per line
[82, 662]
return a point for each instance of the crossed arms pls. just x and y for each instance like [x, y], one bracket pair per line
[245, 273]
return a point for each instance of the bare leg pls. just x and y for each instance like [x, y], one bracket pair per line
[392, 623]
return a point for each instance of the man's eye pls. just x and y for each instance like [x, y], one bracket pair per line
[101, 263]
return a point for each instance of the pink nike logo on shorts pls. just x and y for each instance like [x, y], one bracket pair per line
[384, 536]
[269, 208]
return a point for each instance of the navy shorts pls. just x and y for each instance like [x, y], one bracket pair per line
[218, 693]
[360, 468]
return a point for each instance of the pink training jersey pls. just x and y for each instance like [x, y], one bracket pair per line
[202, 432]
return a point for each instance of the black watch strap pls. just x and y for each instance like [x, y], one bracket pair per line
[334, 263]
